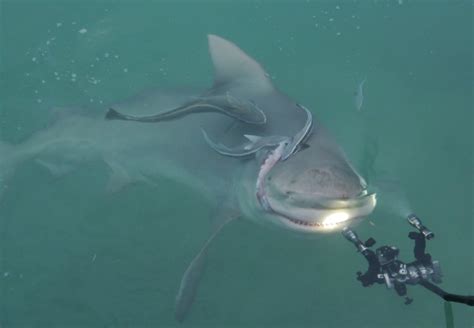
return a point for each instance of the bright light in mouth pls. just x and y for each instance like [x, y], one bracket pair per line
[334, 219]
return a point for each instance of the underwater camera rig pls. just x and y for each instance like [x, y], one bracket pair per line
[386, 268]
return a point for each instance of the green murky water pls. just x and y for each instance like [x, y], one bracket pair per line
[75, 256]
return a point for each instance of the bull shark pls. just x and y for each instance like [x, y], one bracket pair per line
[307, 190]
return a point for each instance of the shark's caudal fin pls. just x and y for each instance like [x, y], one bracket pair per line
[232, 64]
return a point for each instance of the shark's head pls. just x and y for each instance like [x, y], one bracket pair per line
[310, 189]
[314, 190]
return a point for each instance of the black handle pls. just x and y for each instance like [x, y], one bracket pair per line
[468, 300]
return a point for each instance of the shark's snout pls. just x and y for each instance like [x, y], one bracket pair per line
[332, 182]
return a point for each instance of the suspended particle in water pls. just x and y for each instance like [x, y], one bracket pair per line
[39, 101]
[331, 19]
[33, 59]
[125, 70]
[337, 7]
[93, 80]
[106, 55]
[43, 81]
[82, 31]
[338, 33]
[59, 24]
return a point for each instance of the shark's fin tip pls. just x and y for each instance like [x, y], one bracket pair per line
[231, 63]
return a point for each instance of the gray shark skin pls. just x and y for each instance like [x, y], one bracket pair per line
[315, 190]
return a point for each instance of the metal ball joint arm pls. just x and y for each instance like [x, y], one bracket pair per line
[385, 268]
[415, 222]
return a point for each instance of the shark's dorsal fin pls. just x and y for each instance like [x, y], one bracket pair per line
[231, 63]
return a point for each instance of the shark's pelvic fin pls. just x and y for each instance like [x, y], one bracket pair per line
[119, 177]
[190, 280]
[232, 64]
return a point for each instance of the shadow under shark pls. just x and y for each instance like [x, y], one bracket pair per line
[314, 190]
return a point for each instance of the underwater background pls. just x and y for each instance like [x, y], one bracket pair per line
[72, 255]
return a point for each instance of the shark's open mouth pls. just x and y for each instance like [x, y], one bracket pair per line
[322, 214]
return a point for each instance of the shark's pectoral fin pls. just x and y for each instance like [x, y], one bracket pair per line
[190, 280]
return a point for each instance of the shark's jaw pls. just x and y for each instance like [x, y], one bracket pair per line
[302, 213]
[323, 215]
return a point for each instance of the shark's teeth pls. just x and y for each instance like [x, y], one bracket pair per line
[305, 223]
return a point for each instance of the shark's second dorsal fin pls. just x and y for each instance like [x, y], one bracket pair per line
[231, 64]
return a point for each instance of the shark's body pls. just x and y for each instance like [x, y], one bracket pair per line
[308, 190]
